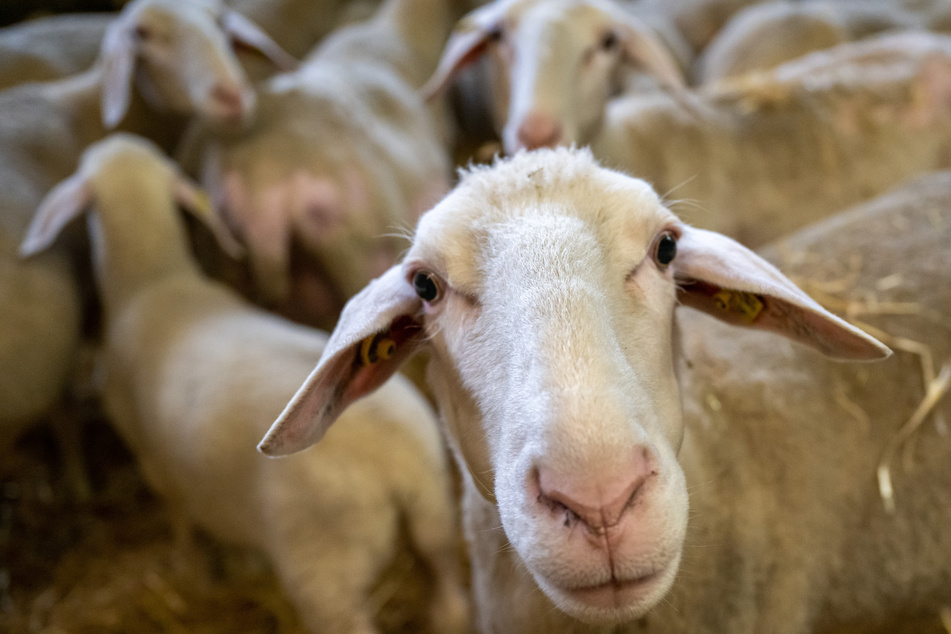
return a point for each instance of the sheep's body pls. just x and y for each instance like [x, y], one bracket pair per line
[766, 35]
[343, 154]
[545, 288]
[50, 48]
[298, 25]
[193, 375]
[43, 130]
[698, 20]
[776, 150]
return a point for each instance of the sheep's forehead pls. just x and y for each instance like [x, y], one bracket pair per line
[557, 201]
[123, 154]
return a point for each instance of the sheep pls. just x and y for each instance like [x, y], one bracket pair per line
[544, 288]
[766, 35]
[299, 25]
[552, 65]
[50, 48]
[343, 153]
[160, 60]
[773, 151]
[192, 375]
[699, 21]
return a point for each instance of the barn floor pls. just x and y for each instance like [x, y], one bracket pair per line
[112, 565]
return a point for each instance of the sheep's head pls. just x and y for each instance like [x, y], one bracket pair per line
[179, 56]
[554, 65]
[545, 288]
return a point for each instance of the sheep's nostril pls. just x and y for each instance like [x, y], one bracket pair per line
[539, 130]
[598, 500]
[229, 98]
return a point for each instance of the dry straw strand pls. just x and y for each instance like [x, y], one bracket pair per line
[934, 392]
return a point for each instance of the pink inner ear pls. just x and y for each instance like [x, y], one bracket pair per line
[462, 49]
[318, 206]
[819, 330]
[406, 333]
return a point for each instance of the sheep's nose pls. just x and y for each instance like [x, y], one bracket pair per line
[230, 100]
[539, 129]
[598, 498]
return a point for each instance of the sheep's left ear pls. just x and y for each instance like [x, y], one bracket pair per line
[197, 202]
[467, 43]
[117, 59]
[722, 277]
[643, 48]
[243, 30]
[65, 202]
[378, 330]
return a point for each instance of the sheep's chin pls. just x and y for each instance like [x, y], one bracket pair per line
[612, 604]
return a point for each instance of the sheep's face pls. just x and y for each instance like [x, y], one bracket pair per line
[553, 65]
[545, 288]
[179, 57]
[548, 300]
[186, 63]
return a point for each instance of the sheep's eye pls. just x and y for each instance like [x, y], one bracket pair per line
[425, 286]
[495, 35]
[666, 249]
[142, 32]
[610, 41]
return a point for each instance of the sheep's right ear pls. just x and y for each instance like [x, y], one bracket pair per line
[196, 201]
[466, 45]
[378, 330]
[243, 30]
[642, 47]
[117, 59]
[61, 205]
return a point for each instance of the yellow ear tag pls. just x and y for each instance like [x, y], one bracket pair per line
[376, 348]
[747, 305]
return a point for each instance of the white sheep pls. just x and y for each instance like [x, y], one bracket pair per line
[344, 154]
[772, 151]
[51, 47]
[160, 61]
[552, 65]
[192, 377]
[545, 288]
[763, 36]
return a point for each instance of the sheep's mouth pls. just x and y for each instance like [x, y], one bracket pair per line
[616, 593]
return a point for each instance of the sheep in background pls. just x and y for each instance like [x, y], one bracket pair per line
[343, 155]
[773, 151]
[552, 65]
[766, 35]
[298, 25]
[51, 47]
[545, 288]
[697, 20]
[160, 61]
[193, 376]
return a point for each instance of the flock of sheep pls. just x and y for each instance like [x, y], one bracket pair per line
[624, 465]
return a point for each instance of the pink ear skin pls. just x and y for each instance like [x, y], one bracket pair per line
[117, 59]
[466, 45]
[65, 202]
[262, 223]
[643, 48]
[725, 279]
[378, 330]
[246, 32]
